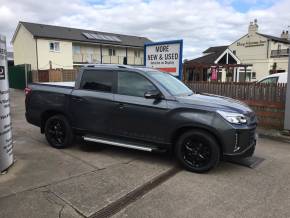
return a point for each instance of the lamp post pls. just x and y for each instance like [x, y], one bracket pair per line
[287, 104]
[6, 155]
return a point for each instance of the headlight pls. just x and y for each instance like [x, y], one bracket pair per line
[234, 118]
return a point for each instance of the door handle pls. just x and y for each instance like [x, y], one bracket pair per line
[121, 105]
[78, 99]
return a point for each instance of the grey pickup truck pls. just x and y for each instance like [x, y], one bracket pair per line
[144, 109]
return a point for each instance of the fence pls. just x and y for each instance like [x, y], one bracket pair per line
[54, 75]
[267, 100]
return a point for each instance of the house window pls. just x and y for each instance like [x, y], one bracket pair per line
[112, 52]
[54, 46]
[253, 75]
[234, 52]
[137, 53]
[76, 49]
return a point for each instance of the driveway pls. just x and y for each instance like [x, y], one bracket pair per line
[93, 180]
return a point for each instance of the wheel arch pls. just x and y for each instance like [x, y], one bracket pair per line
[46, 115]
[178, 132]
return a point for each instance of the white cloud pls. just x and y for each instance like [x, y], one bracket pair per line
[200, 23]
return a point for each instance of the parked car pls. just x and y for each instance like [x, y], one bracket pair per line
[144, 109]
[274, 78]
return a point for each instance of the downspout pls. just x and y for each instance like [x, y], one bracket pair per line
[101, 50]
[268, 49]
[36, 53]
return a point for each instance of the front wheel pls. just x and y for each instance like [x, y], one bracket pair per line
[58, 132]
[198, 151]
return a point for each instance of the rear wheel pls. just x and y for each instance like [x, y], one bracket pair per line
[197, 151]
[58, 132]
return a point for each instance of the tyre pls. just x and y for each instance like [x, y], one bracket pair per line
[198, 151]
[58, 132]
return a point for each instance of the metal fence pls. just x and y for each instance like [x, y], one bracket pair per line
[267, 100]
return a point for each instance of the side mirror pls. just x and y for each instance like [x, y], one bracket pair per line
[153, 94]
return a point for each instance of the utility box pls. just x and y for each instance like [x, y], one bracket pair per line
[6, 142]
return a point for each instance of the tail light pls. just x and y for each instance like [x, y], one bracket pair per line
[27, 91]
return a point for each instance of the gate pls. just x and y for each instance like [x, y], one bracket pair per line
[19, 76]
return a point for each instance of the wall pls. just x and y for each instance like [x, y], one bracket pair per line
[255, 49]
[24, 48]
[60, 59]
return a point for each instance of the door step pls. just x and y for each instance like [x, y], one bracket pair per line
[123, 144]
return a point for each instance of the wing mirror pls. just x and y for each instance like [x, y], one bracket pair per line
[153, 94]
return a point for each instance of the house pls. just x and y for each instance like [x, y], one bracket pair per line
[217, 63]
[47, 46]
[256, 54]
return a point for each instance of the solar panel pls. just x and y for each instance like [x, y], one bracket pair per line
[117, 39]
[96, 36]
[101, 37]
[88, 35]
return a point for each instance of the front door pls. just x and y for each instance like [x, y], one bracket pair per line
[135, 116]
[92, 104]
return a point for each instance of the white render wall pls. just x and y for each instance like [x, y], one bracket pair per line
[259, 55]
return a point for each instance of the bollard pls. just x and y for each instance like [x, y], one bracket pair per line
[6, 143]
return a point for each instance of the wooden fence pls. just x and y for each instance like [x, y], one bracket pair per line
[54, 75]
[267, 100]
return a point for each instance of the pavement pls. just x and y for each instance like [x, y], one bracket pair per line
[93, 180]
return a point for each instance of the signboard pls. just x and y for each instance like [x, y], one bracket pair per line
[165, 56]
[6, 155]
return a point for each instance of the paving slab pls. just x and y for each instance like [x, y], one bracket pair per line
[37, 165]
[90, 193]
[228, 191]
[35, 204]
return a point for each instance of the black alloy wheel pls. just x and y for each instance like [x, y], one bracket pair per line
[58, 132]
[198, 151]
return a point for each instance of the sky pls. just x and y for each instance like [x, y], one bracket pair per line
[200, 24]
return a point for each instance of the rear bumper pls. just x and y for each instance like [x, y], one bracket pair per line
[32, 120]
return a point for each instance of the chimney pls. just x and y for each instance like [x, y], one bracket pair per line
[253, 27]
[284, 35]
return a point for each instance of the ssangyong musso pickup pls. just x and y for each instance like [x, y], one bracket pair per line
[144, 109]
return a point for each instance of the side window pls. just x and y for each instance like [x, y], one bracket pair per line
[271, 80]
[133, 84]
[97, 80]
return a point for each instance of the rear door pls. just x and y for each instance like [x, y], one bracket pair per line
[92, 104]
[137, 117]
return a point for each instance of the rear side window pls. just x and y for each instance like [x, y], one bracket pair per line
[133, 84]
[97, 80]
[271, 80]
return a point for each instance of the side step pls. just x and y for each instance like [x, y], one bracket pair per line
[119, 144]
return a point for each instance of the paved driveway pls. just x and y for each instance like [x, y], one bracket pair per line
[97, 180]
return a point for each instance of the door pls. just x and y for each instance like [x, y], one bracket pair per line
[92, 104]
[137, 117]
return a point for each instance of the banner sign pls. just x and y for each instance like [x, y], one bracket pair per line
[6, 143]
[165, 56]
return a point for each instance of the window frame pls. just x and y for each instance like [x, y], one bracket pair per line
[137, 53]
[139, 74]
[113, 53]
[114, 81]
[54, 47]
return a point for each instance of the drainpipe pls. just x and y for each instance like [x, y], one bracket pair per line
[6, 143]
